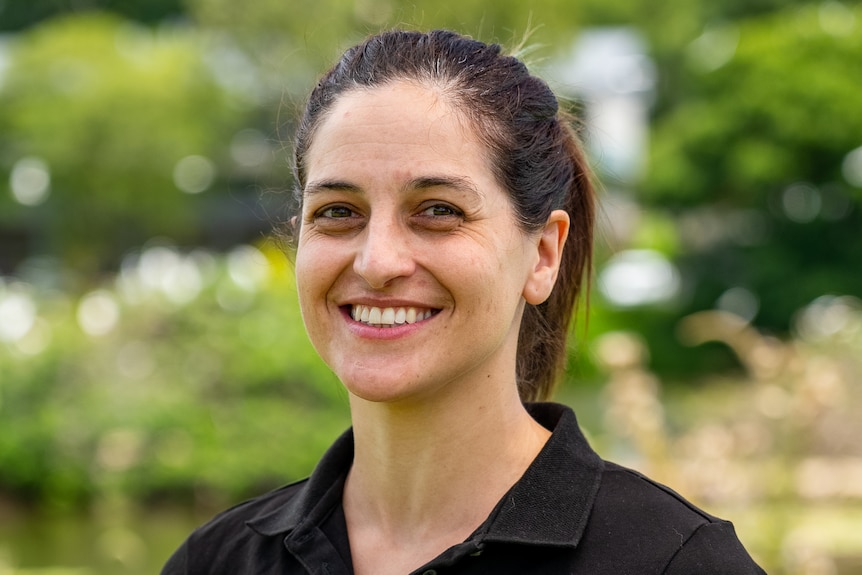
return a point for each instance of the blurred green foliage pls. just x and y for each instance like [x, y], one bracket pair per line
[156, 388]
[753, 163]
[16, 15]
[111, 109]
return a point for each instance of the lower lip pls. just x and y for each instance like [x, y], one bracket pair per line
[366, 331]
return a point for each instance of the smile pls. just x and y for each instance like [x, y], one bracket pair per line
[388, 316]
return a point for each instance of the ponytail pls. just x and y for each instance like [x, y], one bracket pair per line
[542, 348]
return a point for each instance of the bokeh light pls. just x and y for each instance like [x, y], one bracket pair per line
[163, 270]
[739, 301]
[250, 148]
[639, 277]
[194, 174]
[248, 267]
[714, 47]
[851, 167]
[17, 312]
[98, 313]
[801, 203]
[828, 316]
[836, 18]
[30, 181]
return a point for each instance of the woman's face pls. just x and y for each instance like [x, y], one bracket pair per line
[411, 270]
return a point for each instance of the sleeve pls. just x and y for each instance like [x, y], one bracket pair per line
[713, 549]
[178, 562]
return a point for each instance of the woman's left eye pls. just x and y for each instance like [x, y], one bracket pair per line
[441, 210]
[438, 217]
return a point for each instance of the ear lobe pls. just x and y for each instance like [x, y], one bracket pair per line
[549, 252]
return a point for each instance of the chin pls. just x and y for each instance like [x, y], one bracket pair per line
[384, 389]
[378, 393]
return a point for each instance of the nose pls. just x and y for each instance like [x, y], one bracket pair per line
[384, 254]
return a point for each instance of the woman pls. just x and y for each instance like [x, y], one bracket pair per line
[443, 234]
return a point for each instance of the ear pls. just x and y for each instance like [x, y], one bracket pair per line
[549, 255]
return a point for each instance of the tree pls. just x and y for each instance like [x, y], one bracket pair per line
[294, 42]
[111, 123]
[22, 15]
[756, 163]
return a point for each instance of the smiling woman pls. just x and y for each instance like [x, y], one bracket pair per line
[407, 228]
[443, 234]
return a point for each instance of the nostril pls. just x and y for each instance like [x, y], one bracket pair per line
[383, 257]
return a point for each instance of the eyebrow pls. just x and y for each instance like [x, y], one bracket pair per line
[462, 184]
[330, 185]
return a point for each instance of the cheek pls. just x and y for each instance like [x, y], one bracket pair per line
[310, 270]
[314, 253]
[302, 273]
[320, 266]
[485, 281]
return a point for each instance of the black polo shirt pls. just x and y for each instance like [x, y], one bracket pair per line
[571, 512]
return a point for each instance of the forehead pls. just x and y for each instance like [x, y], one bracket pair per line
[402, 127]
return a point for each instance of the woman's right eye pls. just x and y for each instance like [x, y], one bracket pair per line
[336, 219]
[336, 212]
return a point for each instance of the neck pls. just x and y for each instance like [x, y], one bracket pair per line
[416, 466]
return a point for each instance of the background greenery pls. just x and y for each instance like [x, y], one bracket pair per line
[153, 366]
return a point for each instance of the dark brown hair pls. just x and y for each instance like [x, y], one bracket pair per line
[535, 154]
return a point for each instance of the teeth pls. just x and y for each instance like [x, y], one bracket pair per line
[390, 316]
[375, 315]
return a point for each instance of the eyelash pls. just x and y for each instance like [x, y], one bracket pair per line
[327, 212]
[431, 216]
[451, 211]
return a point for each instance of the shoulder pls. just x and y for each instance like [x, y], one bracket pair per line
[627, 492]
[229, 535]
[641, 522]
[237, 517]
